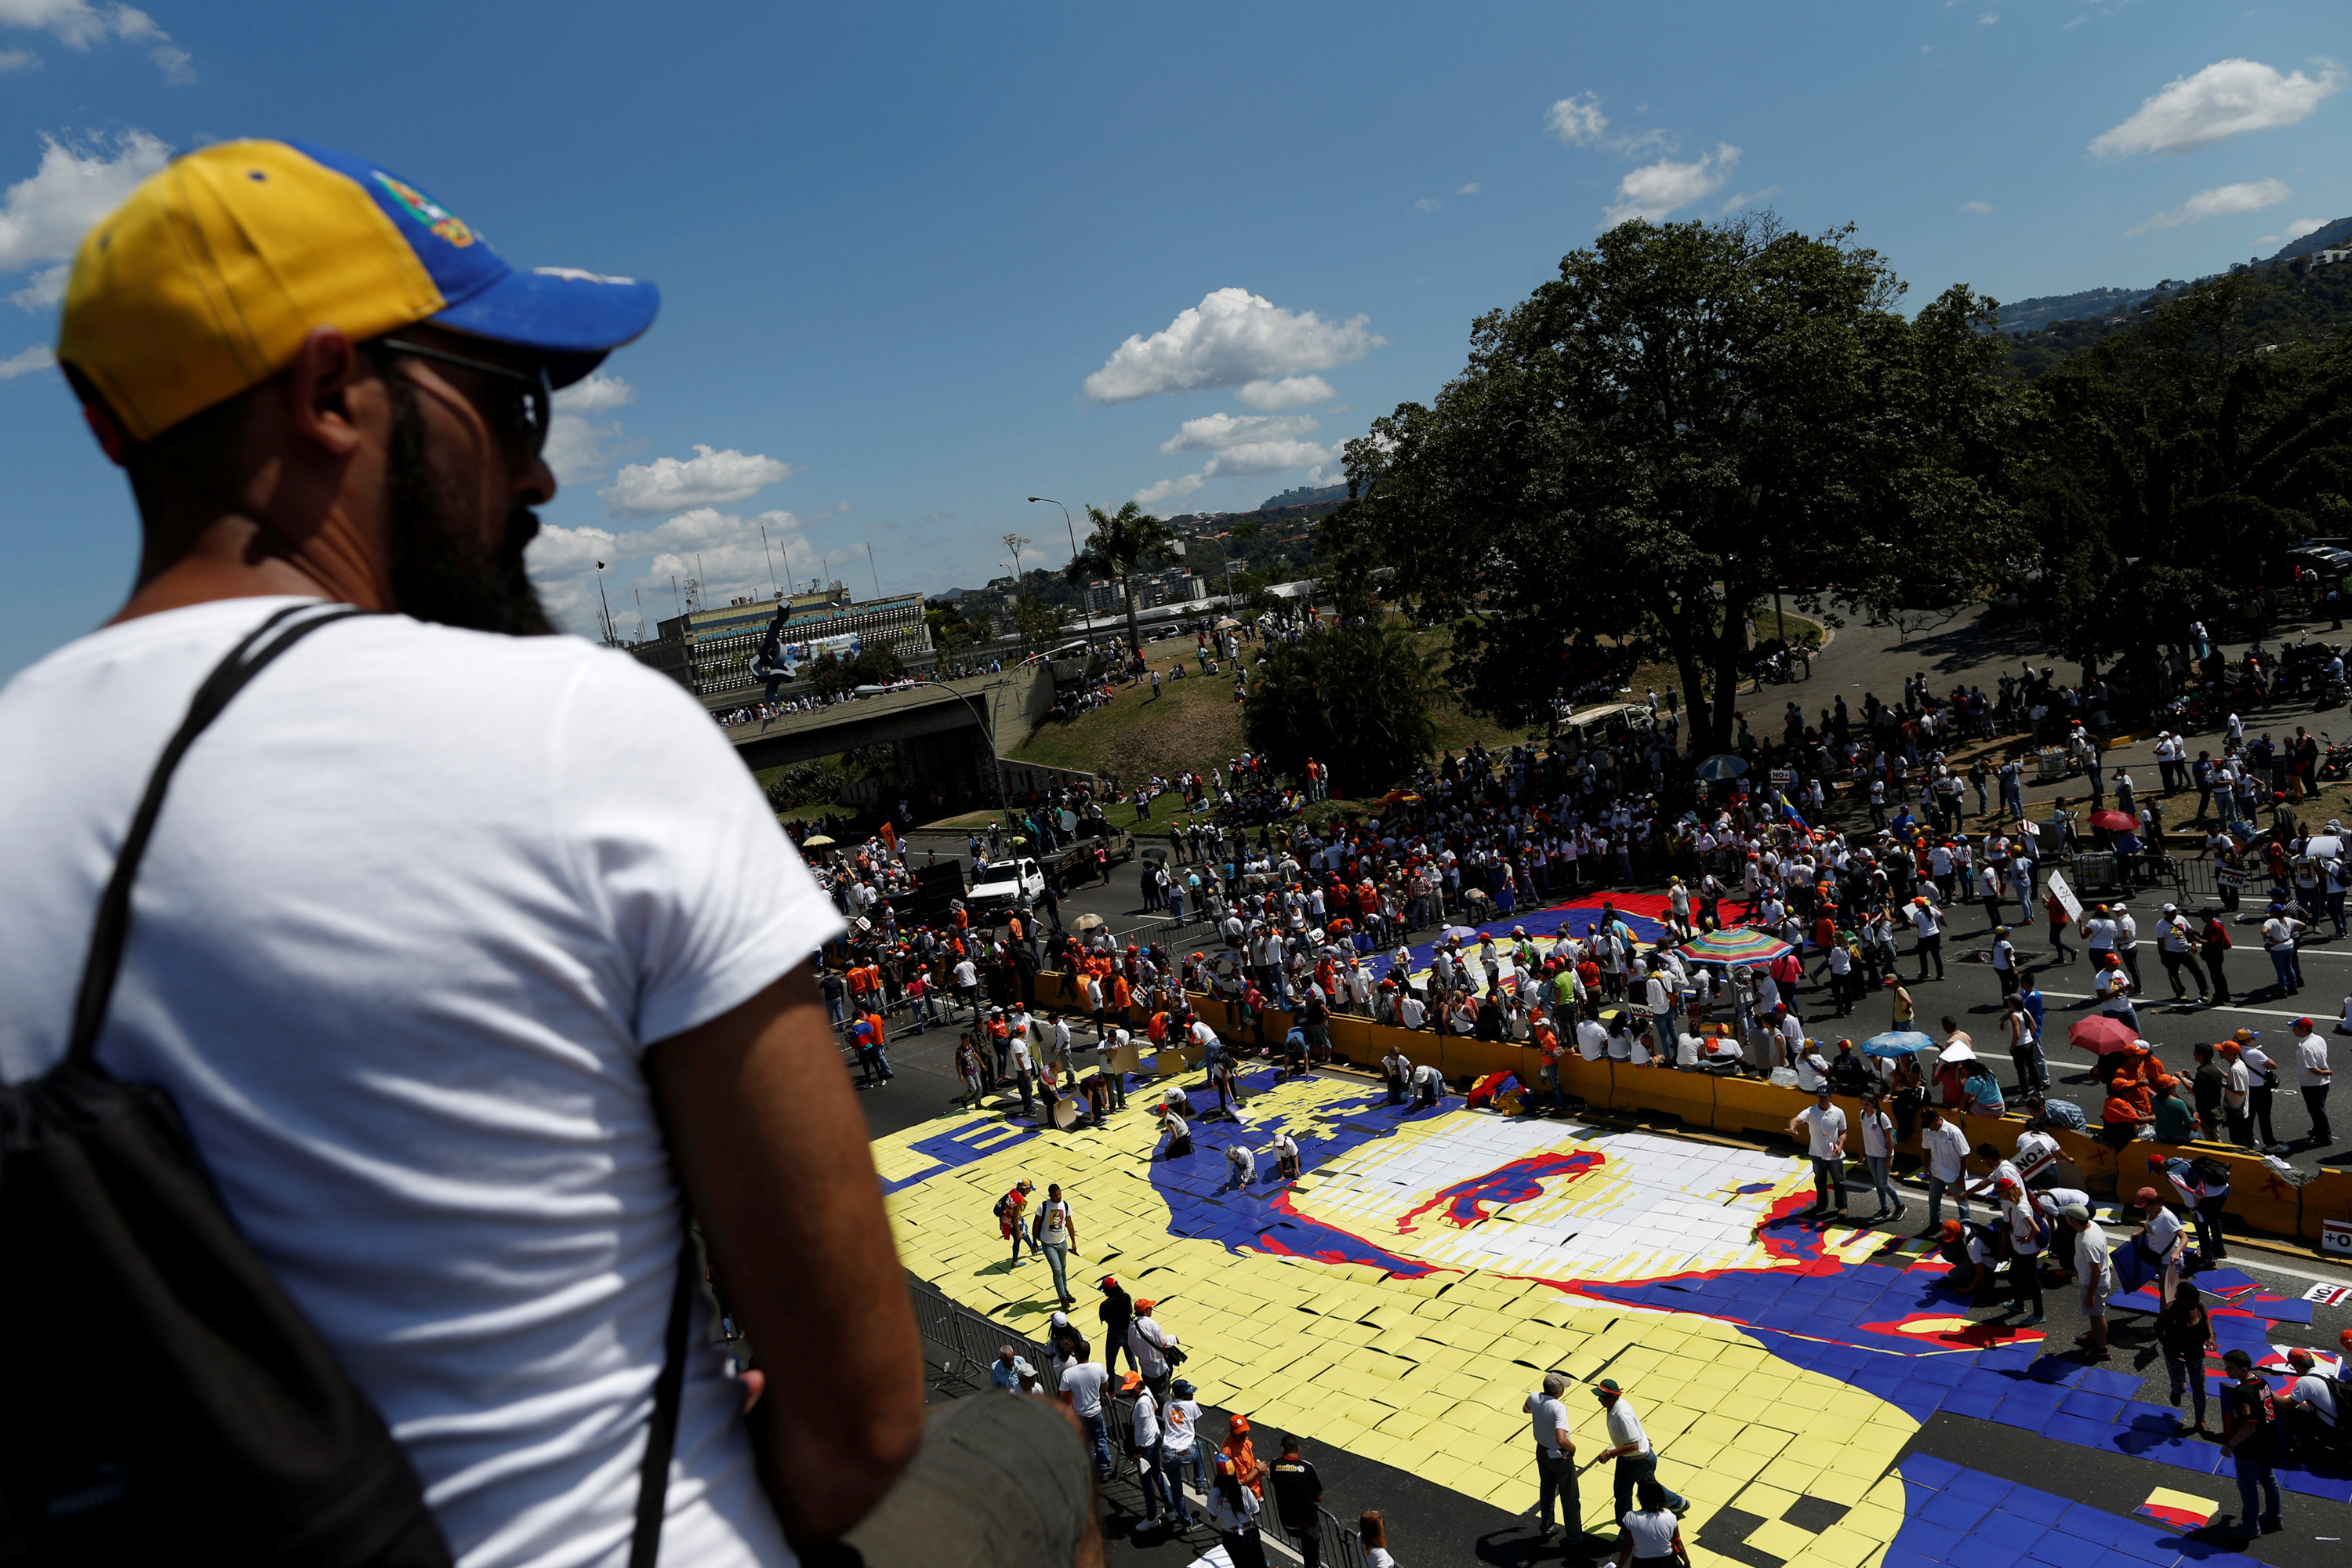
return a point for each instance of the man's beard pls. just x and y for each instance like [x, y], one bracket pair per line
[440, 570]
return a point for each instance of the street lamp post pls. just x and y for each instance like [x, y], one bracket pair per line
[1066, 522]
[609, 639]
[988, 734]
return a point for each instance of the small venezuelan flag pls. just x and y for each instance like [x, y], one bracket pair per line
[2178, 1509]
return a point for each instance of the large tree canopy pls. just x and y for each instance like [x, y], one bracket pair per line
[1690, 417]
[2181, 456]
[1357, 698]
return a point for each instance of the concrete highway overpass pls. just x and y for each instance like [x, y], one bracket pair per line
[947, 724]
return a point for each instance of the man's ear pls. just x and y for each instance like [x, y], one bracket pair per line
[320, 383]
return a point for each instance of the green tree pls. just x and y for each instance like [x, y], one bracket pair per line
[1122, 541]
[952, 630]
[1036, 623]
[1690, 416]
[2182, 455]
[1357, 697]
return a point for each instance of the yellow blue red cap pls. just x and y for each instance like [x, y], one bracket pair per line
[206, 280]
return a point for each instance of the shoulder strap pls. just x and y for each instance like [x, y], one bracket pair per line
[661, 1432]
[112, 928]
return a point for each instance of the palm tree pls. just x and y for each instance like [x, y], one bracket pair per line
[1122, 541]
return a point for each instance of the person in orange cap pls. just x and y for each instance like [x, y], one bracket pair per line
[1243, 1455]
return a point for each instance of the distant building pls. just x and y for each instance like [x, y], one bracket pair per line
[708, 651]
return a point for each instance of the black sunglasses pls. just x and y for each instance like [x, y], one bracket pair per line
[533, 405]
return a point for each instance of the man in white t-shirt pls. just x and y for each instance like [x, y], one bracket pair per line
[2312, 1076]
[2094, 1271]
[472, 959]
[1555, 1453]
[1821, 1126]
[1083, 1383]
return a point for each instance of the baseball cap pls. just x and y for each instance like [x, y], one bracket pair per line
[1606, 1385]
[205, 281]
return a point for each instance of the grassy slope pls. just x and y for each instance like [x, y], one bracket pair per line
[1194, 723]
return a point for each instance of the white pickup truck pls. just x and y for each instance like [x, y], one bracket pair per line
[1002, 884]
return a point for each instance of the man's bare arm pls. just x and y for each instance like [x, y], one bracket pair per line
[771, 1148]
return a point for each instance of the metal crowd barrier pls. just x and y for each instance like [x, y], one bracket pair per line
[970, 1341]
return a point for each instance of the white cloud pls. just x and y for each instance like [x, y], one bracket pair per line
[723, 550]
[579, 446]
[1168, 489]
[1976, 207]
[2226, 98]
[78, 24]
[1290, 392]
[17, 60]
[1216, 432]
[597, 393]
[1987, 20]
[2296, 227]
[1427, 204]
[709, 478]
[1229, 338]
[1654, 190]
[2221, 201]
[1578, 120]
[1471, 189]
[1265, 457]
[1268, 453]
[38, 357]
[44, 216]
[1733, 204]
[48, 287]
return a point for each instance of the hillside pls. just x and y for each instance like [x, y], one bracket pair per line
[2032, 315]
[2278, 305]
[1193, 723]
[2093, 305]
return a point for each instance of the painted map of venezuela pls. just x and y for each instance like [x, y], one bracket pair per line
[1404, 1296]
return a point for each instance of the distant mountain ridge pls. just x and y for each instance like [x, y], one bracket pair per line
[1305, 496]
[2093, 304]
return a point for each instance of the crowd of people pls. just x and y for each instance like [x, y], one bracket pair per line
[1310, 917]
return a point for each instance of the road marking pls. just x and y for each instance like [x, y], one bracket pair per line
[2162, 1008]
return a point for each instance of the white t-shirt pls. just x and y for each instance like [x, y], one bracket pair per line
[415, 903]
[1653, 1534]
[1825, 1124]
[1083, 1382]
[2311, 1062]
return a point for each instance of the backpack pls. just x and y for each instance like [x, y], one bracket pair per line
[167, 1400]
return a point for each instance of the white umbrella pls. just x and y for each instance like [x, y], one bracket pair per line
[1958, 1051]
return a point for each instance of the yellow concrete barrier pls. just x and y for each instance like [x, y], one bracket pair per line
[2327, 1196]
[1687, 1095]
[1748, 1107]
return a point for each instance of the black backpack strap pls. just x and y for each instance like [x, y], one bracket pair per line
[112, 930]
[661, 1432]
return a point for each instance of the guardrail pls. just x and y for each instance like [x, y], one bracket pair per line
[971, 1342]
[2261, 1200]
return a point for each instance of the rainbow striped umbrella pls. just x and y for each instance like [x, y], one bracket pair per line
[1739, 944]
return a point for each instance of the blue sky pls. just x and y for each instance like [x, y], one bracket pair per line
[920, 263]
